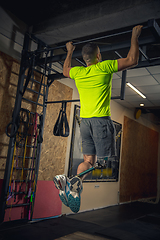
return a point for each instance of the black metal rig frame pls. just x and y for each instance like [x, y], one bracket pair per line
[32, 59]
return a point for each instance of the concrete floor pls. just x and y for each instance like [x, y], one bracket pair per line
[132, 221]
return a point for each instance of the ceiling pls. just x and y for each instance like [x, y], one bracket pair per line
[33, 12]
[56, 22]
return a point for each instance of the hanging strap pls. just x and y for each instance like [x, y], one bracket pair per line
[40, 137]
[65, 126]
[61, 127]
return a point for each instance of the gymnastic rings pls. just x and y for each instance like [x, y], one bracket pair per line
[11, 129]
[23, 120]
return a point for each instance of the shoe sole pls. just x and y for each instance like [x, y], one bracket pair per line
[57, 183]
[74, 203]
[75, 184]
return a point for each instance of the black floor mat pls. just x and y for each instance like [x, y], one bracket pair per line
[132, 230]
[135, 221]
[151, 218]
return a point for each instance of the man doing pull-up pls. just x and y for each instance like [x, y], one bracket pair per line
[94, 83]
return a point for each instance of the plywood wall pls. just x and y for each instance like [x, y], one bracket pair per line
[53, 148]
[9, 69]
[139, 160]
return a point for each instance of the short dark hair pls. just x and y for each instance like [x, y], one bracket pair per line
[89, 52]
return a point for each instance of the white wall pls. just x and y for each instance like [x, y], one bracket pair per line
[11, 34]
[102, 194]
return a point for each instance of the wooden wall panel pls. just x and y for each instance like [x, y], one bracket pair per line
[9, 74]
[9, 69]
[53, 148]
[138, 174]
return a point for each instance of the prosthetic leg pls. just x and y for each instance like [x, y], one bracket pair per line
[70, 188]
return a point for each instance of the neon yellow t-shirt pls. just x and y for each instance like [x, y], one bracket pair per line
[94, 85]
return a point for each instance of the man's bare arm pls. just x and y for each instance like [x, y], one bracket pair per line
[133, 55]
[67, 62]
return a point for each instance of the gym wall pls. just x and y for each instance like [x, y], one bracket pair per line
[53, 152]
[139, 172]
[139, 162]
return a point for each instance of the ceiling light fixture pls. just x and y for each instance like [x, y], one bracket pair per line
[141, 104]
[136, 90]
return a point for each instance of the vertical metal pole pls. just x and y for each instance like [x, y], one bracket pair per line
[123, 84]
[39, 147]
[155, 29]
[14, 119]
[143, 52]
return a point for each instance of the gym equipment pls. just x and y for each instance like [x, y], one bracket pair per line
[61, 127]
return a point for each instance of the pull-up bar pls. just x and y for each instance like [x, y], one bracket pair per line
[97, 38]
[77, 100]
[90, 40]
[122, 93]
[152, 25]
[74, 100]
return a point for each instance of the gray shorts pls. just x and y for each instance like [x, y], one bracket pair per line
[98, 136]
